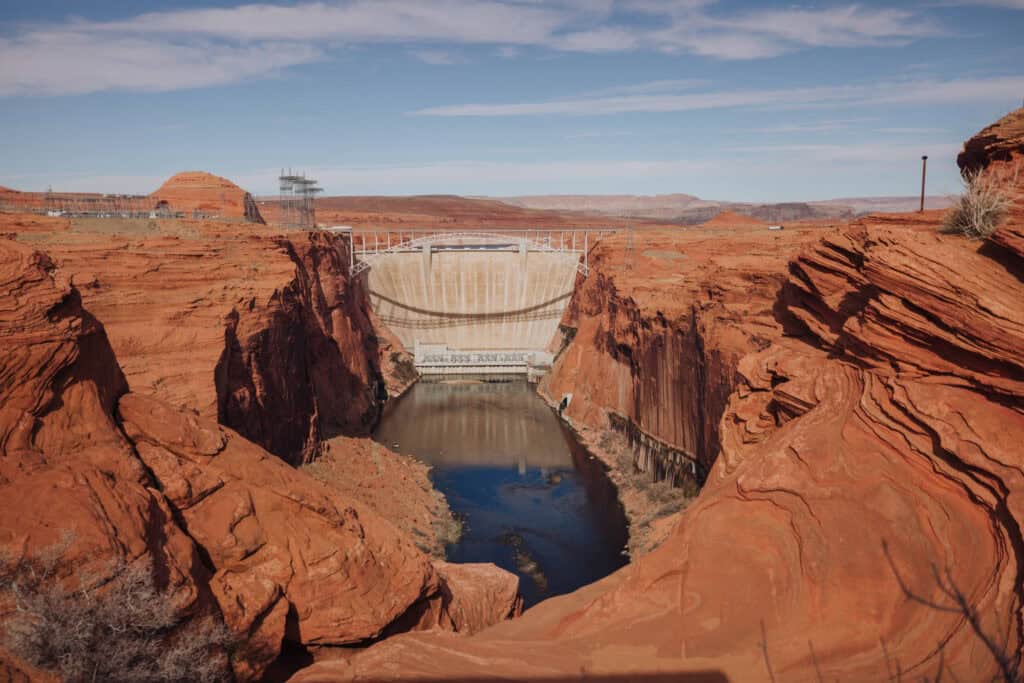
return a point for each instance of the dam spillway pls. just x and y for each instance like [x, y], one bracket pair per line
[473, 302]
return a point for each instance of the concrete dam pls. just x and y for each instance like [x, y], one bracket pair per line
[473, 302]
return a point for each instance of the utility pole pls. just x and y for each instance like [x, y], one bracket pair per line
[628, 259]
[924, 173]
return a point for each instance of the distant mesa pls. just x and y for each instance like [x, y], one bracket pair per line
[192, 193]
[198, 191]
[731, 219]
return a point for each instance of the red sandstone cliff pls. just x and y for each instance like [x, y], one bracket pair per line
[657, 337]
[870, 437]
[209, 194]
[260, 331]
[226, 526]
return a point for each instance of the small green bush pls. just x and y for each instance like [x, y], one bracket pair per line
[980, 210]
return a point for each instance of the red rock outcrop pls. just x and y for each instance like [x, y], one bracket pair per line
[209, 194]
[869, 456]
[397, 487]
[657, 338]
[260, 331]
[227, 525]
[999, 150]
[999, 143]
[65, 467]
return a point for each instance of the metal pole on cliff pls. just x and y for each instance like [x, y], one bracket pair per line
[924, 173]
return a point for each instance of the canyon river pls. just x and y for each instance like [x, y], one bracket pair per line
[532, 500]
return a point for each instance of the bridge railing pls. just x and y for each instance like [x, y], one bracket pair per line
[367, 243]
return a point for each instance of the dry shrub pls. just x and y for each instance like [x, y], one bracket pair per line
[125, 629]
[979, 211]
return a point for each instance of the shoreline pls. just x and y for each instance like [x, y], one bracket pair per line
[650, 507]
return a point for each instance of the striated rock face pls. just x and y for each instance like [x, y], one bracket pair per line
[210, 194]
[884, 426]
[656, 342]
[259, 331]
[227, 526]
[66, 469]
[999, 143]
[303, 366]
[868, 474]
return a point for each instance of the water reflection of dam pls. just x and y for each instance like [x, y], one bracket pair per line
[531, 499]
[495, 424]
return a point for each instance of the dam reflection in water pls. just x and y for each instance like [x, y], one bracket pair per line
[532, 500]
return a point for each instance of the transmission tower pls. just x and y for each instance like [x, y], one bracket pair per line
[298, 194]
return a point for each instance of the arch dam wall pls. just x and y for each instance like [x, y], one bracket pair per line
[487, 308]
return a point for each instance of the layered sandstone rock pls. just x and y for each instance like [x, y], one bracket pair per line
[227, 526]
[290, 557]
[657, 336]
[68, 477]
[260, 331]
[209, 194]
[869, 474]
[999, 143]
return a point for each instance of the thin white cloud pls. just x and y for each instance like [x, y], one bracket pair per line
[435, 57]
[1002, 4]
[663, 86]
[997, 89]
[691, 27]
[70, 62]
[464, 21]
[867, 152]
[910, 131]
[211, 46]
[825, 126]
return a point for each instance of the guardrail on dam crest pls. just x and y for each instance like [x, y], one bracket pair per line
[472, 301]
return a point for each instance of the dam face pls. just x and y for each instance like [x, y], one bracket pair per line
[478, 306]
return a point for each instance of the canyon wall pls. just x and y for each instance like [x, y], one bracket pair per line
[258, 330]
[656, 338]
[862, 518]
[224, 527]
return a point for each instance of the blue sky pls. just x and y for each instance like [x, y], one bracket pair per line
[725, 100]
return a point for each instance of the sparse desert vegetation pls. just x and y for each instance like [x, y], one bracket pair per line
[981, 209]
[123, 628]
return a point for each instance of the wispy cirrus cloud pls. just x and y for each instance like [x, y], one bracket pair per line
[436, 57]
[70, 62]
[1002, 4]
[996, 89]
[210, 46]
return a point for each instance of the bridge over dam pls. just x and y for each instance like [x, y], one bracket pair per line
[472, 302]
